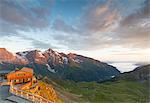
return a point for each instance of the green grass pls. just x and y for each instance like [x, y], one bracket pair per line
[109, 92]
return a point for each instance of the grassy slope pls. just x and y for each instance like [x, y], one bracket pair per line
[108, 92]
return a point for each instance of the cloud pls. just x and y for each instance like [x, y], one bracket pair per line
[24, 15]
[38, 44]
[134, 29]
[70, 41]
[61, 25]
[7, 30]
[106, 27]
[135, 17]
[87, 33]
[41, 45]
[100, 17]
[102, 25]
[99, 10]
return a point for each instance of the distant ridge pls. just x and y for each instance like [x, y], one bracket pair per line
[141, 74]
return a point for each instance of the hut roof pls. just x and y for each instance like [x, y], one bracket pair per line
[25, 69]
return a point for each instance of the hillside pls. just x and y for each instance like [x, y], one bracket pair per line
[64, 66]
[140, 74]
[122, 90]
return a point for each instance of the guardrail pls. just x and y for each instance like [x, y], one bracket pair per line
[4, 83]
[29, 96]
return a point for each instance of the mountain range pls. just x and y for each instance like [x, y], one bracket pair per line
[80, 79]
[59, 65]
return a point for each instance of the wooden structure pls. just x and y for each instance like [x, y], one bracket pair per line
[20, 76]
[29, 96]
[26, 80]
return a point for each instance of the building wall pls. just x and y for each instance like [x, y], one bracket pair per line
[19, 77]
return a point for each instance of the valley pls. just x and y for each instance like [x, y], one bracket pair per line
[123, 89]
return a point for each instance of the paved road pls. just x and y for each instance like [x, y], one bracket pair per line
[7, 97]
[4, 93]
[17, 99]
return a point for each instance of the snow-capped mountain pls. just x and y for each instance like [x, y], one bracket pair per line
[36, 56]
[6, 56]
[67, 66]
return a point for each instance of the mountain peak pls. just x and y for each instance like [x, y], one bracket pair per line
[6, 56]
[72, 55]
[3, 49]
[49, 49]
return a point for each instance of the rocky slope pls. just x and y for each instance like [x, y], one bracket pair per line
[6, 56]
[65, 66]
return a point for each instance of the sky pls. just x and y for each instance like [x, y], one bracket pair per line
[114, 31]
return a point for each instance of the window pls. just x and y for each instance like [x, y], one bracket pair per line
[29, 79]
[20, 74]
[17, 80]
[20, 80]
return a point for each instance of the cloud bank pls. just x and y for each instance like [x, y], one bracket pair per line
[100, 24]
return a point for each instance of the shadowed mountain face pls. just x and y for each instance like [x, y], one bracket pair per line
[140, 74]
[65, 66]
